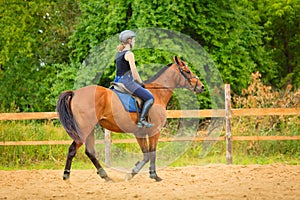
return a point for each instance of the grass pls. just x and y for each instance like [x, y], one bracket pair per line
[241, 156]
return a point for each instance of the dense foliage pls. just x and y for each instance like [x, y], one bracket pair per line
[34, 38]
[43, 44]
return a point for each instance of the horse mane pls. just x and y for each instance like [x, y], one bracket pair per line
[158, 74]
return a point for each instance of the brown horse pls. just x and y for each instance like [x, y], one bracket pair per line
[80, 110]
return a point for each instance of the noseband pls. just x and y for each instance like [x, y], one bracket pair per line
[188, 79]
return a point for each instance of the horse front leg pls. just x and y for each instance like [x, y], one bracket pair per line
[71, 154]
[152, 157]
[140, 164]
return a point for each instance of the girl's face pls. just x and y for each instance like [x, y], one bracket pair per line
[131, 42]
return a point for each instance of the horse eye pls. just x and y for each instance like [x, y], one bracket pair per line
[188, 71]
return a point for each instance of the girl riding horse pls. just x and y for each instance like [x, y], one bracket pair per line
[127, 74]
[80, 110]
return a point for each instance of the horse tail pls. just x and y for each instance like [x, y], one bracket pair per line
[66, 116]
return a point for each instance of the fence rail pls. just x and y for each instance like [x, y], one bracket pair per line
[170, 113]
[127, 141]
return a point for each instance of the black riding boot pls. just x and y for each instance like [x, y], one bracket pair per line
[142, 121]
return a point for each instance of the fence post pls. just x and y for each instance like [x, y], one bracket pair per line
[228, 124]
[107, 141]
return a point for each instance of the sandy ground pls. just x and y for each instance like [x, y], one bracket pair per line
[203, 182]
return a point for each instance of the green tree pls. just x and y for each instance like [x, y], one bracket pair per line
[281, 22]
[33, 36]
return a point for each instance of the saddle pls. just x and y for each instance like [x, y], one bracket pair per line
[130, 102]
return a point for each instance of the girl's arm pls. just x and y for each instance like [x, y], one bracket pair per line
[129, 56]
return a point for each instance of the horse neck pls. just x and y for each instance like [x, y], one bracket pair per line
[167, 79]
[162, 88]
[161, 94]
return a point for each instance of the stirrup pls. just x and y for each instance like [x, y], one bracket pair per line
[142, 123]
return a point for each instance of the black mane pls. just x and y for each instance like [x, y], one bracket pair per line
[152, 79]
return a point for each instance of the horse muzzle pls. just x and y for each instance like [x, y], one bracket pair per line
[199, 89]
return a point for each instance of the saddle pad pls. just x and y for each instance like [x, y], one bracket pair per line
[127, 101]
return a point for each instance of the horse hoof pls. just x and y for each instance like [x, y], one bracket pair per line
[102, 173]
[107, 179]
[128, 176]
[157, 179]
[66, 176]
[104, 176]
[154, 176]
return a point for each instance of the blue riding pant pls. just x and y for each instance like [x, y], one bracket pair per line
[134, 87]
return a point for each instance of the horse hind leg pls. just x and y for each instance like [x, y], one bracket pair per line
[71, 154]
[91, 154]
[100, 171]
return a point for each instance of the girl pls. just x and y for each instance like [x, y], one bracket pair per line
[127, 74]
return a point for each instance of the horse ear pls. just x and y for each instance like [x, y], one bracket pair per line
[176, 59]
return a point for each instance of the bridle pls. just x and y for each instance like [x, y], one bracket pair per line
[188, 79]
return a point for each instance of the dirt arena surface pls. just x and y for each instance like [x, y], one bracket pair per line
[203, 182]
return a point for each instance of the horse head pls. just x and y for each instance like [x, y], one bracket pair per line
[187, 79]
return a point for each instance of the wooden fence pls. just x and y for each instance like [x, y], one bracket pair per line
[228, 113]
